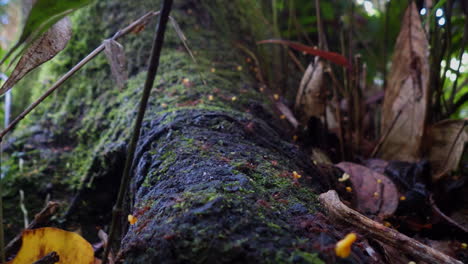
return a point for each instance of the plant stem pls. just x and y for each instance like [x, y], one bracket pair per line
[152, 70]
[2, 241]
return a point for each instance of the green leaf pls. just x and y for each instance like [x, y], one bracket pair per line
[437, 6]
[43, 15]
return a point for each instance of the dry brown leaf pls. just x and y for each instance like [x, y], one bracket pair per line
[42, 50]
[374, 193]
[311, 99]
[115, 55]
[284, 109]
[407, 94]
[447, 142]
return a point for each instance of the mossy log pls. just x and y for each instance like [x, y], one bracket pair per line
[213, 173]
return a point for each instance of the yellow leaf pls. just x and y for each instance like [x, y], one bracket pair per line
[70, 247]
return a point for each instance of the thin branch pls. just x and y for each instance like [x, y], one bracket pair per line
[461, 101]
[420, 252]
[445, 217]
[151, 75]
[457, 73]
[2, 235]
[384, 137]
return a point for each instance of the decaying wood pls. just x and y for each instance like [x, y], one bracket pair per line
[39, 219]
[420, 252]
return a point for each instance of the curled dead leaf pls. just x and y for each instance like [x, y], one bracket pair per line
[42, 50]
[406, 99]
[115, 55]
[310, 98]
[446, 145]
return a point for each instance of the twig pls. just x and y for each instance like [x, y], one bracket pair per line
[444, 216]
[151, 75]
[39, 219]
[461, 101]
[2, 236]
[338, 113]
[384, 137]
[183, 39]
[141, 21]
[385, 41]
[420, 252]
[260, 74]
[322, 40]
[296, 60]
[23, 209]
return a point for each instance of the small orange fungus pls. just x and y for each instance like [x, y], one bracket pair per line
[343, 247]
[296, 175]
[349, 189]
[132, 219]
[402, 198]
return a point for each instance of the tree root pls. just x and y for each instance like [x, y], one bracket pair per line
[420, 252]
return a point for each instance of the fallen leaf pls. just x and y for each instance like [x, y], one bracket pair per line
[42, 50]
[447, 142]
[374, 193]
[37, 243]
[288, 114]
[43, 15]
[405, 106]
[115, 55]
[377, 165]
[311, 98]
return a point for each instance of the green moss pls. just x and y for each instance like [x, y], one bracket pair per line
[305, 257]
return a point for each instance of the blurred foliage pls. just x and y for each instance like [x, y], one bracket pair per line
[370, 28]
